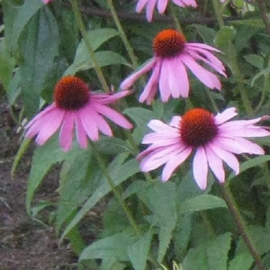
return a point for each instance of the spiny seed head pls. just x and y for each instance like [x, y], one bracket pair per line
[169, 43]
[71, 93]
[198, 127]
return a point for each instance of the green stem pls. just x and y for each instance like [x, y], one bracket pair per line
[239, 78]
[115, 191]
[216, 5]
[79, 21]
[213, 102]
[240, 223]
[264, 12]
[175, 18]
[123, 36]
[119, 199]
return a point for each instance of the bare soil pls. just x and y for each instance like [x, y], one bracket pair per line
[24, 243]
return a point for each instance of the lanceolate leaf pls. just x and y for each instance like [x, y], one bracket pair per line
[119, 172]
[39, 46]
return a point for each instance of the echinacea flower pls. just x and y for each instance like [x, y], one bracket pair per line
[75, 107]
[161, 6]
[213, 138]
[173, 56]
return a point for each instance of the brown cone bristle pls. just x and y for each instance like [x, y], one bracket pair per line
[169, 43]
[71, 93]
[198, 127]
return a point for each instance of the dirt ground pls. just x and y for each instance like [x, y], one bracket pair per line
[24, 243]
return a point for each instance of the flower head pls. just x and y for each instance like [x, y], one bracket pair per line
[213, 138]
[161, 6]
[75, 107]
[173, 56]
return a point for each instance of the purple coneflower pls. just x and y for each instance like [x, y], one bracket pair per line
[173, 55]
[161, 6]
[213, 138]
[75, 107]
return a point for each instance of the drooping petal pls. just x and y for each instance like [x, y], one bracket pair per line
[80, 132]
[200, 168]
[164, 86]
[140, 5]
[203, 46]
[215, 164]
[150, 9]
[206, 77]
[151, 87]
[113, 115]
[66, 133]
[102, 125]
[129, 81]
[107, 98]
[227, 157]
[174, 162]
[161, 6]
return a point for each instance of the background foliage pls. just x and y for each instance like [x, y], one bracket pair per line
[177, 226]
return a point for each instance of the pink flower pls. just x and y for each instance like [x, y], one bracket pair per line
[161, 6]
[173, 55]
[213, 138]
[46, 1]
[75, 107]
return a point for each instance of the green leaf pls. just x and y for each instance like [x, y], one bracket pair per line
[141, 117]
[104, 58]
[260, 238]
[255, 60]
[73, 185]
[251, 163]
[240, 262]
[212, 254]
[39, 46]
[44, 157]
[224, 37]
[207, 34]
[113, 247]
[201, 202]
[161, 200]
[138, 251]
[119, 173]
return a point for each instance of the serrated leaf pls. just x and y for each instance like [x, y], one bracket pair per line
[200, 203]
[251, 163]
[119, 173]
[240, 262]
[39, 46]
[161, 200]
[139, 250]
[211, 254]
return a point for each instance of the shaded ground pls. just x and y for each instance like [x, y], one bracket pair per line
[24, 244]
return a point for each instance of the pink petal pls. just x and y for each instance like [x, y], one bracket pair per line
[226, 115]
[159, 126]
[40, 114]
[206, 77]
[203, 46]
[227, 157]
[162, 4]
[89, 123]
[174, 162]
[140, 5]
[215, 164]
[185, 3]
[109, 98]
[200, 168]
[151, 87]
[158, 139]
[175, 122]
[102, 125]
[80, 132]
[129, 81]
[66, 133]
[164, 86]
[243, 131]
[113, 115]
[150, 9]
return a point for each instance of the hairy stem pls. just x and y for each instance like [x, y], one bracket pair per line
[240, 223]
